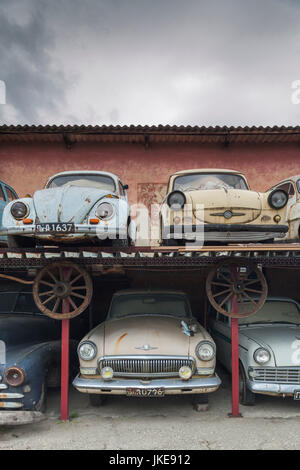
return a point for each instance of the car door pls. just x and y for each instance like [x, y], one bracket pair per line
[221, 333]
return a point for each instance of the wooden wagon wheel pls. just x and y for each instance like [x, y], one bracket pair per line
[62, 285]
[238, 282]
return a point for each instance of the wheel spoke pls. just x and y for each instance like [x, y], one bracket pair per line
[56, 305]
[249, 298]
[253, 281]
[75, 279]
[72, 302]
[51, 275]
[78, 295]
[48, 300]
[225, 300]
[220, 284]
[254, 290]
[222, 292]
[78, 287]
[47, 283]
[225, 278]
[46, 293]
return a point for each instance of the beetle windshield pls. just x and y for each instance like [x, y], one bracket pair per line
[274, 311]
[17, 302]
[198, 181]
[174, 305]
[84, 180]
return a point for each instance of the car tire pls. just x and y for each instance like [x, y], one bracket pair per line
[96, 400]
[247, 398]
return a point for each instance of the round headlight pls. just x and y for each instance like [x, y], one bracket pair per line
[107, 373]
[176, 200]
[205, 351]
[14, 376]
[87, 350]
[278, 199]
[19, 210]
[261, 356]
[185, 372]
[104, 210]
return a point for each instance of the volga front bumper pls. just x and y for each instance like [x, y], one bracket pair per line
[225, 232]
[80, 230]
[171, 386]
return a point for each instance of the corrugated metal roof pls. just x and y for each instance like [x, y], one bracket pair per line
[150, 134]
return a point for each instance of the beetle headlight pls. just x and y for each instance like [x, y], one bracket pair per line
[19, 210]
[261, 356]
[105, 211]
[278, 199]
[87, 350]
[176, 200]
[205, 351]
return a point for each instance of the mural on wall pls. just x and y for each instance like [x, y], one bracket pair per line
[151, 196]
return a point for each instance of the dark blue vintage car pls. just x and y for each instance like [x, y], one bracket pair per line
[30, 351]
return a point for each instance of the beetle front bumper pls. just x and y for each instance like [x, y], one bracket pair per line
[225, 232]
[102, 231]
[171, 386]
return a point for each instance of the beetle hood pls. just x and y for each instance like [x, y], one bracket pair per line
[244, 205]
[66, 204]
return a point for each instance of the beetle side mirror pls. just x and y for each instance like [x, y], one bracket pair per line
[125, 186]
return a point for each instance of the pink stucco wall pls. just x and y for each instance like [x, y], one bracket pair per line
[26, 167]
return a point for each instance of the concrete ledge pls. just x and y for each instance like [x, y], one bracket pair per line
[13, 418]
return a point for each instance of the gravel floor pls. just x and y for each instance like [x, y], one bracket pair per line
[169, 423]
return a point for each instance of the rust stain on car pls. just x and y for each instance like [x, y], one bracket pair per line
[119, 341]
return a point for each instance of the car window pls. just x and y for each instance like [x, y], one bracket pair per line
[10, 195]
[7, 301]
[85, 180]
[25, 303]
[149, 304]
[205, 181]
[274, 311]
[2, 196]
[288, 188]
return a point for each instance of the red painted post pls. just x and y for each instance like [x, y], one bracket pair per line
[64, 396]
[235, 359]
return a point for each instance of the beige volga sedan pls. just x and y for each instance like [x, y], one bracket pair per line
[149, 346]
[215, 205]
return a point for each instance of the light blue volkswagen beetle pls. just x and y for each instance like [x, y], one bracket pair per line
[74, 207]
[269, 349]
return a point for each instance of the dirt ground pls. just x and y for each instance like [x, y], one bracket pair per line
[161, 424]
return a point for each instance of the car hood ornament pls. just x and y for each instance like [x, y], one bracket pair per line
[146, 347]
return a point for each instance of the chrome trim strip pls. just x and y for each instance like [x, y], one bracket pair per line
[3, 386]
[11, 395]
[11, 405]
[100, 385]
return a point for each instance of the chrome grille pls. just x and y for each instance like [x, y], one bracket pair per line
[276, 375]
[146, 366]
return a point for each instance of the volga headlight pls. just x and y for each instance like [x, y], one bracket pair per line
[87, 350]
[261, 356]
[205, 351]
[19, 210]
[176, 200]
[105, 210]
[278, 199]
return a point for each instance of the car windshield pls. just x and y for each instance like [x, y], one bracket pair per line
[84, 180]
[17, 302]
[199, 181]
[274, 311]
[175, 305]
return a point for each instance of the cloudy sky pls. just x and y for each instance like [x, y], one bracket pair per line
[197, 62]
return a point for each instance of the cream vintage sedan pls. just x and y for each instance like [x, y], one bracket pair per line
[149, 346]
[215, 205]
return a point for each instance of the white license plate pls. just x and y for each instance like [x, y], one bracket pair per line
[148, 392]
[57, 227]
[297, 395]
